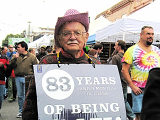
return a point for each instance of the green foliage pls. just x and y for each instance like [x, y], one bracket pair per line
[5, 41]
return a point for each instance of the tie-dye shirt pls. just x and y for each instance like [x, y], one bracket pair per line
[141, 62]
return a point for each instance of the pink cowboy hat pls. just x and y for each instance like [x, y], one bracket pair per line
[71, 15]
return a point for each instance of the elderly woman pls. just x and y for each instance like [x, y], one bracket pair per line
[71, 35]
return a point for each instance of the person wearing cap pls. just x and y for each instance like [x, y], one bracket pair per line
[71, 35]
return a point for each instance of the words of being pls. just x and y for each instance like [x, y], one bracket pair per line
[83, 108]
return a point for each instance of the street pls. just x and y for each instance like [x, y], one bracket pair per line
[9, 110]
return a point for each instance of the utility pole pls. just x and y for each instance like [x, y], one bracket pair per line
[29, 31]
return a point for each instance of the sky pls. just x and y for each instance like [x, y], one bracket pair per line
[15, 14]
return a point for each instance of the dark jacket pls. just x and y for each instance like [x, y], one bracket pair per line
[3, 69]
[30, 105]
[23, 65]
[151, 98]
[116, 60]
[40, 56]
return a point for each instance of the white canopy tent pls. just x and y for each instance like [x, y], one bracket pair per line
[45, 40]
[126, 29]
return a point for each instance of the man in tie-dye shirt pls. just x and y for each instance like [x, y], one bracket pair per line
[139, 59]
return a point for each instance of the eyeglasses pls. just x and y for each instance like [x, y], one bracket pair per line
[68, 34]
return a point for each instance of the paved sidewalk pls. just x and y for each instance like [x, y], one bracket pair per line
[9, 110]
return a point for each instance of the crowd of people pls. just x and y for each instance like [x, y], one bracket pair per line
[16, 65]
[71, 34]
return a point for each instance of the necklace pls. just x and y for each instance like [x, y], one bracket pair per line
[89, 60]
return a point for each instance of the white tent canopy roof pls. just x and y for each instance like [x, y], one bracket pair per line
[45, 40]
[126, 29]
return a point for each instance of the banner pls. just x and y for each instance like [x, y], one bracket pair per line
[12, 41]
[79, 92]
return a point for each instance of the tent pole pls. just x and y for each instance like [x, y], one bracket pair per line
[110, 49]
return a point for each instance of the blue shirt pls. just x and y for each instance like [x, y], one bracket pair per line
[10, 54]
